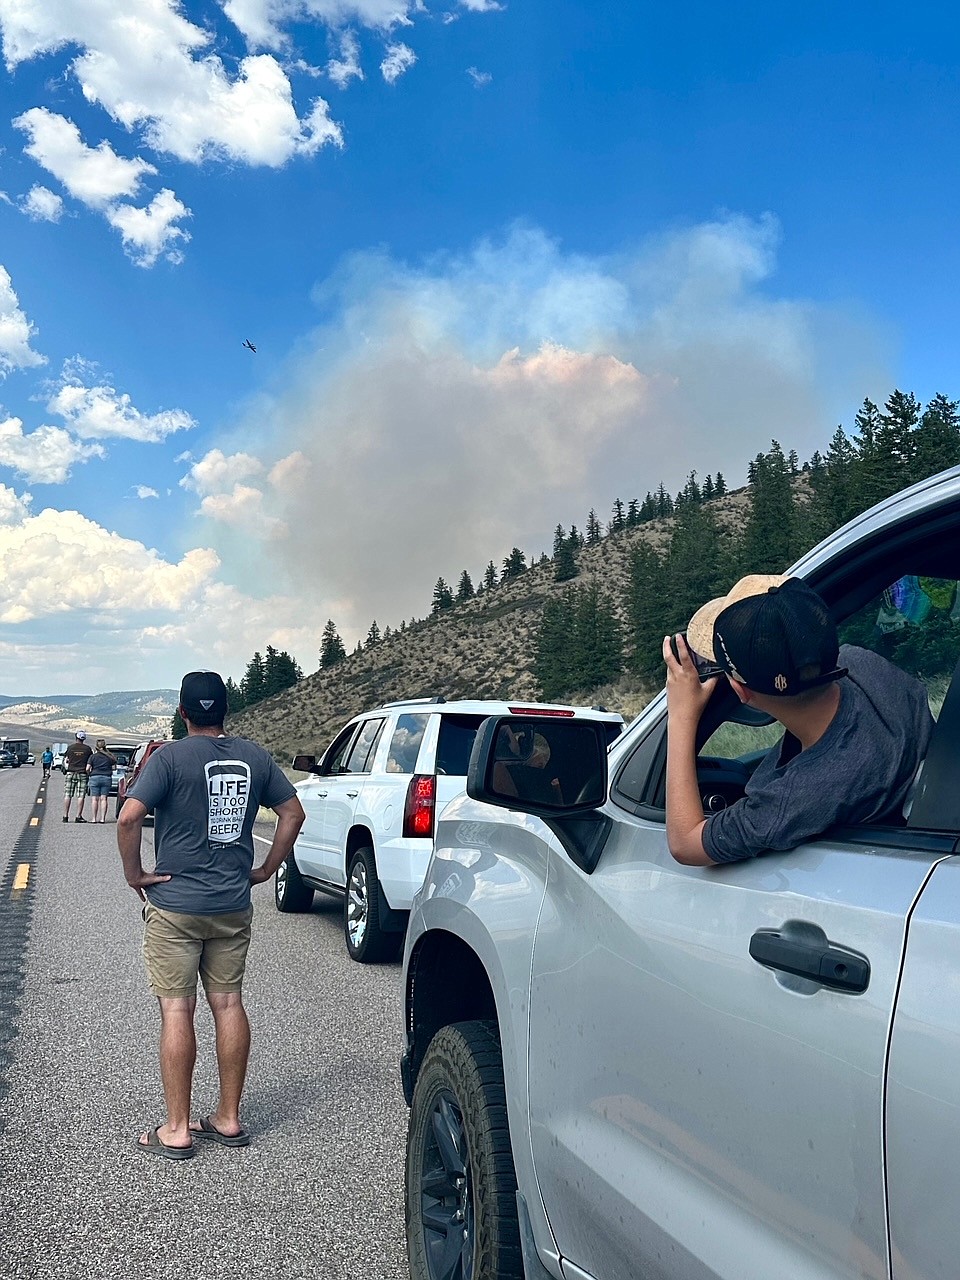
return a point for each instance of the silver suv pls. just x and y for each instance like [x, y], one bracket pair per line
[742, 1072]
[371, 803]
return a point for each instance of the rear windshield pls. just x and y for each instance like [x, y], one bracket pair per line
[456, 742]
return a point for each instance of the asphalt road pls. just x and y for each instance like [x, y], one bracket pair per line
[317, 1194]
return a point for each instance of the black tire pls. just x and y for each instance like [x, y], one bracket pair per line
[366, 941]
[461, 1188]
[289, 891]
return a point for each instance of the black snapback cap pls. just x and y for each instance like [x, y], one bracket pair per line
[780, 642]
[203, 696]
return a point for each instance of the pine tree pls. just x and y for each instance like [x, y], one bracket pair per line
[332, 649]
[618, 519]
[719, 486]
[465, 589]
[178, 729]
[633, 513]
[280, 672]
[664, 501]
[937, 438]
[234, 696]
[770, 534]
[707, 490]
[442, 597]
[373, 635]
[565, 557]
[490, 576]
[577, 539]
[645, 599]
[594, 531]
[252, 684]
[513, 565]
[552, 647]
[597, 650]
[698, 564]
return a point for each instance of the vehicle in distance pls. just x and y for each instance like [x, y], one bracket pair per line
[122, 753]
[31, 758]
[19, 746]
[9, 760]
[139, 756]
[371, 803]
[622, 1067]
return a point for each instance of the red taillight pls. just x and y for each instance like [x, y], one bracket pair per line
[420, 805]
[540, 711]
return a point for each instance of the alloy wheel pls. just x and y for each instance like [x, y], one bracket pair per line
[357, 904]
[445, 1193]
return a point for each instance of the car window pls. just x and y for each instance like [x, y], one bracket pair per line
[457, 734]
[361, 755]
[405, 743]
[336, 753]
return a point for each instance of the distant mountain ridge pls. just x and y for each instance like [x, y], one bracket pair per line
[130, 713]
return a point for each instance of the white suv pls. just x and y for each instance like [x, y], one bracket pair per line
[371, 804]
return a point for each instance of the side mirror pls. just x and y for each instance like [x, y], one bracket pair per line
[304, 764]
[544, 766]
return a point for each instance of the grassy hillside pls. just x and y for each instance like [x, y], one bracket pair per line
[483, 648]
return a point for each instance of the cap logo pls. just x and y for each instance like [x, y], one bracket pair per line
[780, 683]
[206, 703]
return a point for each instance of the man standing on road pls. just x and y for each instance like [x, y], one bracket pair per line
[205, 791]
[47, 761]
[75, 782]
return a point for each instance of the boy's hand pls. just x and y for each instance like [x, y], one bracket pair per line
[686, 696]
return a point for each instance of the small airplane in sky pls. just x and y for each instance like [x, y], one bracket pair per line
[249, 345]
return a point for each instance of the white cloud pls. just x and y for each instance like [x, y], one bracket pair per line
[399, 58]
[94, 175]
[291, 473]
[42, 205]
[102, 413]
[145, 491]
[480, 78]
[244, 509]
[13, 509]
[46, 455]
[168, 83]
[482, 6]
[347, 67]
[151, 232]
[261, 21]
[15, 331]
[217, 472]
[59, 561]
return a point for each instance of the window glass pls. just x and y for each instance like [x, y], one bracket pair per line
[457, 734]
[915, 622]
[337, 751]
[361, 756]
[405, 743]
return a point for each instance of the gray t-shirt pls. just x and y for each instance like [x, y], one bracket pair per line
[859, 771]
[205, 793]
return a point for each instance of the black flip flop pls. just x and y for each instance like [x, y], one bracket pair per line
[154, 1147]
[210, 1131]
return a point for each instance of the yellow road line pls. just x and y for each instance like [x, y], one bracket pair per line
[22, 876]
[34, 822]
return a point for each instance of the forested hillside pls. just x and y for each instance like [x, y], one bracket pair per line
[586, 624]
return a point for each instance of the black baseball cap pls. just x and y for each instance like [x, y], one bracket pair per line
[203, 697]
[780, 641]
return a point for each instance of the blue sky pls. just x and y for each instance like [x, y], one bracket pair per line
[502, 263]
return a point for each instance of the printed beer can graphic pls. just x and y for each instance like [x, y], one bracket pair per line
[228, 793]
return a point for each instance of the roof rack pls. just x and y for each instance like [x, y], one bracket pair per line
[415, 702]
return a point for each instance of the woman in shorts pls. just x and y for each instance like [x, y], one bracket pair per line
[100, 768]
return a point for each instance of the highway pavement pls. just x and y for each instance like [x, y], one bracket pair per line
[318, 1193]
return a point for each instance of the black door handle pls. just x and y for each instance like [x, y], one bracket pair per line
[823, 962]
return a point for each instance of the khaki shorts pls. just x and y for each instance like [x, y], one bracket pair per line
[178, 948]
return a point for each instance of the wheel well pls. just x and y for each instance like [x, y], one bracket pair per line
[446, 982]
[357, 838]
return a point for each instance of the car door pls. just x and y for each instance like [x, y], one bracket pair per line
[694, 1112]
[314, 792]
[342, 787]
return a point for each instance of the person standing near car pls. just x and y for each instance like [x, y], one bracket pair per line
[100, 767]
[75, 760]
[205, 791]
